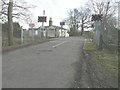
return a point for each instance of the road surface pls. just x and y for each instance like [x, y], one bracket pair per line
[60, 63]
[46, 65]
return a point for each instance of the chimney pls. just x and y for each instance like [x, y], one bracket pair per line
[50, 22]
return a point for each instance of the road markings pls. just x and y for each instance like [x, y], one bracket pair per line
[52, 41]
[59, 44]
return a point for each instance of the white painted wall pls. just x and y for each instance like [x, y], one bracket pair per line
[63, 33]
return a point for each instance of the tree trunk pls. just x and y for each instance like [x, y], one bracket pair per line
[10, 23]
[82, 29]
[101, 43]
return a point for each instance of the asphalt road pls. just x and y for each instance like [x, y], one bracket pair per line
[46, 65]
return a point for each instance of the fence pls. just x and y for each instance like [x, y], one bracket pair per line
[27, 37]
[106, 36]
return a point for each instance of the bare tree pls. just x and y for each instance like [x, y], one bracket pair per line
[101, 7]
[107, 10]
[84, 18]
[69, 19]
[14, 9]
[10, 23]
[78, 18]
[20, 10]
[3, 10]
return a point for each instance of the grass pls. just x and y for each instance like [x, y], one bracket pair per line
[107, 60]
[17, 43]
[89, 46]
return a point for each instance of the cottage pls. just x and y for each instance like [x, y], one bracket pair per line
[52, 31]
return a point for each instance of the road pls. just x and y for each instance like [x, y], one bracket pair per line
[46, 65]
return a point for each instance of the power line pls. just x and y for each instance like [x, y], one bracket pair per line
[57, 8]
[54, 2]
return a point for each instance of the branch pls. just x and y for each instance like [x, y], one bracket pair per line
[86, 22]
[94, 7]
[19, 6]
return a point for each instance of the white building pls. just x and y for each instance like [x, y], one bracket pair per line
[53, 31]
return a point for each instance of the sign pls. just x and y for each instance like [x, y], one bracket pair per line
[62, 23]
[97, 17]
[31, 25]
[42, 18]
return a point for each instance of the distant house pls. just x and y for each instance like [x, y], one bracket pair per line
[52, 31]
[63, 33]
[34, 31]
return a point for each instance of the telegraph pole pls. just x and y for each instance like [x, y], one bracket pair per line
[119, 15]
[43, 24]
[42, 19]
[61, 24]
[31, 26]
[75, 21]
[22, 40]
[119, 41]
[119, 28]
[0, 55]
[98, 37]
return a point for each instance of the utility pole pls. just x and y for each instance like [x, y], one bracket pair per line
[43, 24]
[32, 33]
[42, 19]
[22, 40]
[61, 24]
[31, 25]
[119, 14]
[119, 40]
[0, 55]
[10, 23]
[42, 35]
[97, 37]
[75, 22]
[119, 29]
[98, 27]
[61, 29]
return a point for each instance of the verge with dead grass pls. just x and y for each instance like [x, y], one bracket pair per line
[107, 60]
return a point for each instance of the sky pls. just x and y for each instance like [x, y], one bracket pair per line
[57, 9]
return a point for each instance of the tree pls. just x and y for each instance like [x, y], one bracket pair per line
[78, 18]
[16, 30]
[10, 23]
[84, 18]
[71, 21]
[21, 10]
[107, 10]
[13, 9]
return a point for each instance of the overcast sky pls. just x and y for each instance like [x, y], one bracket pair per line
[57, 9]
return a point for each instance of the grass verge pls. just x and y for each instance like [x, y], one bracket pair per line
[107, 60]
[18, 45]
